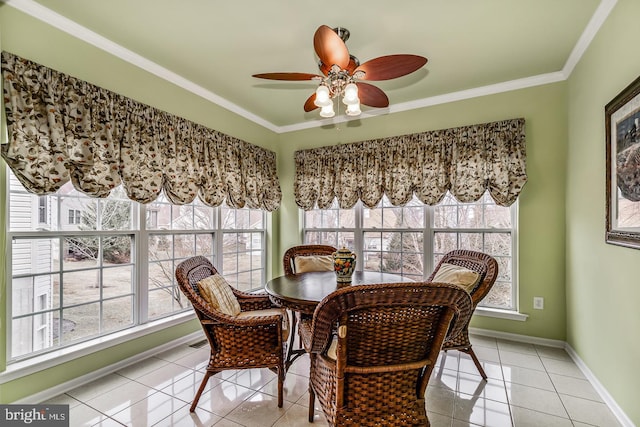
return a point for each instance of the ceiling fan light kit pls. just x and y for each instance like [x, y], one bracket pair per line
[342, 73]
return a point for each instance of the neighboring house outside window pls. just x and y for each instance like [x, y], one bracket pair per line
[410, 240]
[103, 271]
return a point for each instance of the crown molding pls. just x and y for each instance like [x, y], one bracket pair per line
[599, 16]
[56, 20]
[74, 29]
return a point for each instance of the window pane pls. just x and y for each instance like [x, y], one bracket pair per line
[117, 314]
[81, 322]
[115, 213]
[497, 244]
[346, 218]
[497, 216]
[444, 242]
[80, 286]
[184, 245]
[204, 245]
[345, 239]
[230, 263]
[313, 219]
[228, 216]
[445, 216]
[162, 300]
[499, 296]
[470, 215]
[472, 241]
[160, 246]
[34, 256]
[183, 217]
[323, 238]
[413, 217]
[161, 274]
[203, 217]
[117, 281]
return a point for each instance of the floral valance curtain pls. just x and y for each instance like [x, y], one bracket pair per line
[467, 161]
[61, 128]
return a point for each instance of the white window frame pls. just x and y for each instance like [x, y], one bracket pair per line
[139, 260]
[428, 251]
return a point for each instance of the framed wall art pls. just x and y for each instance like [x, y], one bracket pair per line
[622, 124]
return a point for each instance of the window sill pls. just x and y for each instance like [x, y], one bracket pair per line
[500, 314]
[39, 363]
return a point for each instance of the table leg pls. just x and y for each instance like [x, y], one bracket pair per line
[292, 354]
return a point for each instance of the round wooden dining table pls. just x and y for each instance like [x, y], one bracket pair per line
[302, 292]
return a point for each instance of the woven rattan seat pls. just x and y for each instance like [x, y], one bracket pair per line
[236, 343]
[388, 339]
[487, 267]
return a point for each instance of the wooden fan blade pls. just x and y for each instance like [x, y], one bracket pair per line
[372, 96]
[309, 103]
[391, 66]
[287, 76]
[330, 48]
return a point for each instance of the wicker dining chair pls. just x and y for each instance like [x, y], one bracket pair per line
[373, 348]
[487, 268]
[236, 342]
[288, 260]
[289, 266]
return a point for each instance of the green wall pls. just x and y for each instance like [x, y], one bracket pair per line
[603, 318]
[541, 203]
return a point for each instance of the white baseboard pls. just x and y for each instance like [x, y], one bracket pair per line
[624, 420]
[517, 337]
[85, 379]
[602, 391]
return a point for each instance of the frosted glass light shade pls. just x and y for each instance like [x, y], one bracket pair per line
[327, 111]
[351, 94]
[323, 98]
[353, 109]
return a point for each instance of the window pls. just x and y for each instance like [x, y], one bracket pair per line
[111, 266]
[42, 210]
[74, 216]
[411, 240]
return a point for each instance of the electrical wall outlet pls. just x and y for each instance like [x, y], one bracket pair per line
[538, 303]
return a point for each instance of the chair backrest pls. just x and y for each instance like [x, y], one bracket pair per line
[288, 260]
[389, 337]
[482, 263]
[392, 323]
[188, 273]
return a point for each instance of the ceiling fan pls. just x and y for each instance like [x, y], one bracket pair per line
[342, 74]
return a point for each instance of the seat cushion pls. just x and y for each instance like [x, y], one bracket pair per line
[304, 264]
[217, 292]
[270, 312]
[456, 275]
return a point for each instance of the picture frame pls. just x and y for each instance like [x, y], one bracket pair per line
[622, 127]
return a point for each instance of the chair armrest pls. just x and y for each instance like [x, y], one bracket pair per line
[249, 301]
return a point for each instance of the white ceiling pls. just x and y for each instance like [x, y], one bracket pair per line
[474, 47]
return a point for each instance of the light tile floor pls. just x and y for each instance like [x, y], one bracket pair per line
[528, 385]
